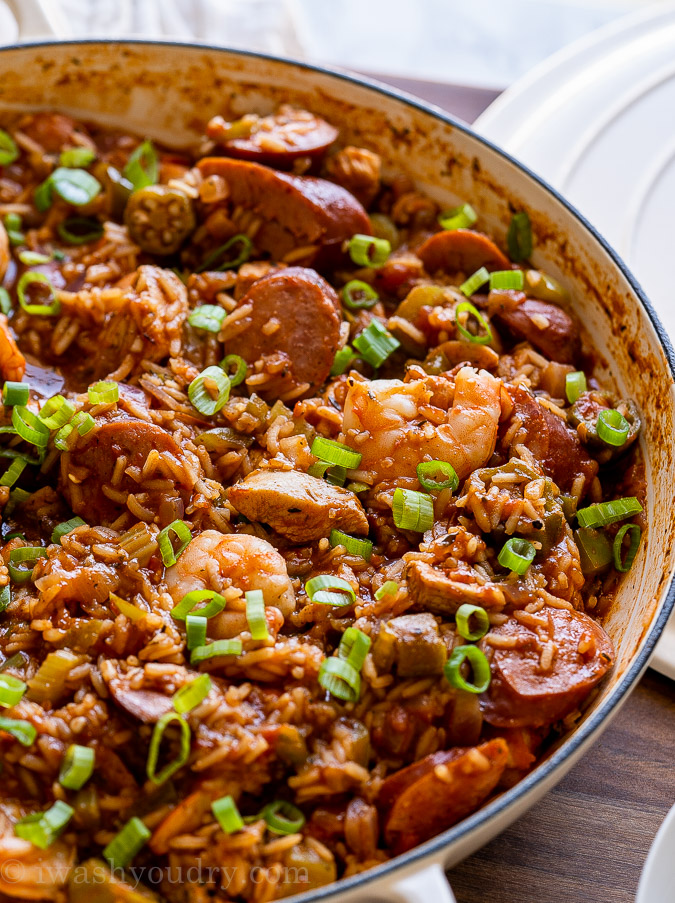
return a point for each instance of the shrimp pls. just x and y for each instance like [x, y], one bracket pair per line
[28, 872]
[217, 561]
[410, 422]
[12, 362]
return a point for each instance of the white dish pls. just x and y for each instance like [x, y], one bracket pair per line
[658, 875]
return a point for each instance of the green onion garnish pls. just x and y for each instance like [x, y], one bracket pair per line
[215, 650]
[8, 149]
[195, 629]
[483, 339]
[429, 471]
[127, 844]
[15, 393]
[75, 186]
[13, 472]
[78, 230]
[255, 614]
[603, 513]
[22, 556]
[612, 427]
[83, 422]
[519, 237]
[142, 168]
[42, 828]
[575, 385]
[474, 282]
[342, 360]
[33, 258]
[53, 305]
[5, 301]
[479, 665]
[357, 295]
[218, 260]
[463, 617]
[507, 279]
[462, 217]
[413, 510]
[191, 695]
[235, 367]
[375, 343]
[354, 647]
[13, 222]
[334, 474]
[517, 555]
[42, 196]
[327, 589]
[204, 400]
[340, 679]
[635, 534]
[216, 603]
[104, 392]
[336, 453]
[208, 316]
[23, 731]
[227, 815]
[388, 588]
[282, 817]
[77, 767]
[368, 251]
[75, 157]
[170, 553]
[355, 546]
[5, 599]
[11, 690]
[29, 426]
[56, 412]
[156, 742]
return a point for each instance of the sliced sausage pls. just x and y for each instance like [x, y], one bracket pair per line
[292, 320]
[436, 792]
[298, 506]
[530, 689]
[545, 326]
[296, 211]
[278, 139]
[461, 251]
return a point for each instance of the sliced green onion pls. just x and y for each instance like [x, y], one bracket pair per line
[75, 157]
[428, 472]
[15, 393]
[56, 412]
[76, 186]
[78, 230]
[462, 217]
[375, 343]
[195, 628]
[473, 283]
[191, 695]
[227, 815]
[208, 316]
[156, 742]
[15, 238]
[463, 617]
[507, 279]
[104, 392]
[340, 679]
[334, 474]
[23, 731]
[33, 258]
[575, 385]
[170, 553]
[519, 237]
[61, 530]
[388, 588]
[342, 360]
[282, 817]
[142, 168]
[42, 828]
[215, 650]
[326, 589]
[218, 260]
[413, 510]
[29, 426]
[83, 422]
[603, 513]
[354, 545]
[13, 222]
[13, 472]
[595, 550]
[5, 599]
[255, 614]
[11, 690]
[51, 308]
[235, 367]
[368, 251]
[16, 497]
[127, 843]
[9, 152]
[43, 196]
[354, 647]
[467, 306]
[479, 666]
[625, 564]
[612, 427]
[77, 767]
[336, 453]
[517, 555]
[21, 556]
[5, 301]
[216, 603]
[200, 396]
[357, 295]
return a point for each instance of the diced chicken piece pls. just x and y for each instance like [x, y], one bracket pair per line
[436, 590]
[358, 170]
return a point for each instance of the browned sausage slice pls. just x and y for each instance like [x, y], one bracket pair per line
[292, 324]
[529, 691]
[296, 211]
[436, 792]
[278, 139]
[545, 326]
[461, 250]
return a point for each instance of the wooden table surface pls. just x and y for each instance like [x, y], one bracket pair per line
[587, 841]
